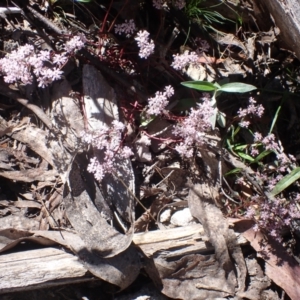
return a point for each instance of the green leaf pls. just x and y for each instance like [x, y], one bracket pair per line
[238, 147]
[221, 119]
[145, 119]
[213, 101]
[229, 144]
[212, 120]
[262, 155]
[237, 87]
[217, 85]
[286, 181]
[234, 171]
[200, 85]
[245, 156]
[234, 132]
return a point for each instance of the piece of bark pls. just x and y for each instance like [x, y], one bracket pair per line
[175, 242]
[171, 242]
[286, 15]
[40, 269]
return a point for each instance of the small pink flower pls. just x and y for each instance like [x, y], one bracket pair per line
[127, 28]
[158, 103]
[126, 152]
[269, 142]
[118, 126]
[244, 124]
[192, 129]
[145, 44]
[250, 214]
[252, 109]
[59, 59]
[254, 152]
[257, 137]
[77, 42]
[180, 61]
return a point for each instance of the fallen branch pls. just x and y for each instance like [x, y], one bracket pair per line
[51, 267]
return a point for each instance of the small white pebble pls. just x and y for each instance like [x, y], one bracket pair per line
[165, 216]
[182, 217]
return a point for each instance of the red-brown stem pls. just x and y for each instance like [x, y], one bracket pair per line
[160, 139]
[114, 20]
[106, 16]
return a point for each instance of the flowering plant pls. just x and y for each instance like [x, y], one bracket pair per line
[108, 140]
[234, 87]
[22, 64]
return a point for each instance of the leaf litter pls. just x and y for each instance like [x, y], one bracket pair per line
[57, 202]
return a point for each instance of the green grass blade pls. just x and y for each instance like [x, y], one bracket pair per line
[234, 171]
[245, 156]
[262, 155]
[286, 181]
[239, 147]
[276, 115]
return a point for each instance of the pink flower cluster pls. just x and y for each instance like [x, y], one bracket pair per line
[75, 43]
[202, 45]
[157, 104]
[268, 141]
[273, 215]
[193, 128]
[108, 140]
[257, 110]
[145, 44]
[285, 161]
[180, 61]
[128, 28]
[21, 64]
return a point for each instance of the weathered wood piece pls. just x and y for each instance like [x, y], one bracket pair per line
[39, 269]
[51, 267]
[286, 15]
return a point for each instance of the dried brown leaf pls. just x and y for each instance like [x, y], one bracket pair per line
[279, 266]
[120, 270]
[10, 237]
[31, 175]
[203, 208]
[90, 225]
[193, 277]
